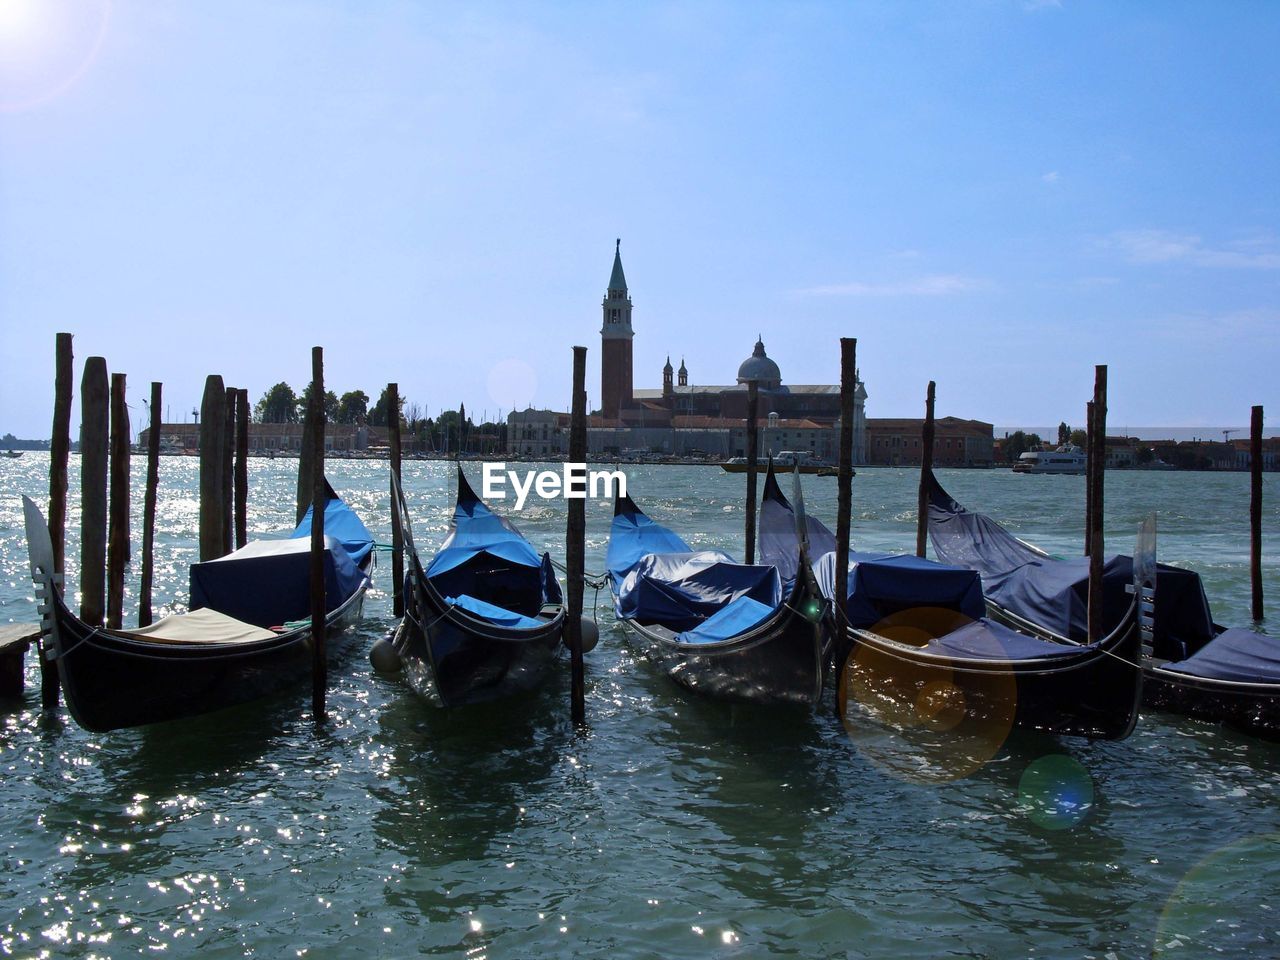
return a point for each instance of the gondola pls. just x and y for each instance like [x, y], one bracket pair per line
[918, 635]
[247, 635]
[1191, 665]
[485, 618]
[728, 630]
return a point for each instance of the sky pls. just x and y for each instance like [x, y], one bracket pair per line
[993, 194]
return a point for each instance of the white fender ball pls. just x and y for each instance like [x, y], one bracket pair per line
[590, 634]
[384, 657]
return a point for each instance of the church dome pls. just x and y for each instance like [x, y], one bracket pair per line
[760, 368]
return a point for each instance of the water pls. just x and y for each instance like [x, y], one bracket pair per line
[672, 827]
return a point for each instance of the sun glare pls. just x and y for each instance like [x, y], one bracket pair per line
[46, 46]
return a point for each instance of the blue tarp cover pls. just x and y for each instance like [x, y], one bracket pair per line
[657, 578]
[738, 617]
[268, 582]
[493, 613]
[986, 640]
[878, 585]
[486, 557]
[341, 523]
[1235, 654]
[1054, 592]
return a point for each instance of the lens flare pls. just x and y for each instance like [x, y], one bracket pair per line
[46, 46]
[1056, 791]
[1201, 917]
[926, 723]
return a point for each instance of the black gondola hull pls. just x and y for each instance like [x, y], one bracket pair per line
[781, 662]
[111, 681]
[1252, 708]
[451, 663]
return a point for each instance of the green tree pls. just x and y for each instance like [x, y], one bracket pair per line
[278, 405]
[1145, 455]
[352, 406]
[1064, 433]
[330, 404]
[378, 415]
[1018, 443]
[1079, 438]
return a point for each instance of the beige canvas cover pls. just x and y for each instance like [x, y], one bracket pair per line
[200, 626]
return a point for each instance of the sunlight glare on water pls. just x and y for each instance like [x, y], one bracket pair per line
[670, 826]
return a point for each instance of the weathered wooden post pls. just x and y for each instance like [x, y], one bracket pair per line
[59, 454]
[1089, 428]
[94, 403]
[397, 537]
[844, 502]
[926, 468]
[228, 470]
[149, 510]
[1255, 511]
[575, 538]
[213, 425]
[753, 460]
[242, 468]
[306, 463]
[1097, 467]
[118, 512]
[315, 416]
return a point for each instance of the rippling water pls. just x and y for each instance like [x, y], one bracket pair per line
[670, 827]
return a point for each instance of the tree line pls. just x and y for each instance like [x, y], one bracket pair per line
[451, 430]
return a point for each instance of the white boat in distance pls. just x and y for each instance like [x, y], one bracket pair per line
[1066, 459]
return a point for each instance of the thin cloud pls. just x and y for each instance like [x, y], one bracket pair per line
[1051, 177]
[937, 285]
[1165, 246]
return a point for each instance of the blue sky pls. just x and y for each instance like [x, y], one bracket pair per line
[994, 195]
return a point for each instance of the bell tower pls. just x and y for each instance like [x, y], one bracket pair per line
[615, 342]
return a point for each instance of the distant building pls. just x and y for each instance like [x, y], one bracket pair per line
[266, 438]
[956, 443]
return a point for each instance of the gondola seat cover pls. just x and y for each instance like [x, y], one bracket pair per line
[878, 585]
[987, 640]
[658, 578]
[268, 582]
[500, 616]
[1235, 654]
[738, 617]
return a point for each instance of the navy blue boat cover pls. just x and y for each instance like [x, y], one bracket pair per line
[268, 582]
[488, 568]
[877, 584]
[1235, 654]
[702, 595]
[1054, 592]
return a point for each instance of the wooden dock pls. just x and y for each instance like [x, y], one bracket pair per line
[15, 638]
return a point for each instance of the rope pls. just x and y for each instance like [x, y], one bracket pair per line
[595, 580]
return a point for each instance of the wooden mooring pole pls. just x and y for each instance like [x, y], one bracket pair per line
[844, 501]
[397, 536]
[1255, 511]
[575, 539]
[306, 463]
[94, 406]
[213, 425]
[149, 509]
[315, 416]
[1088, 485]
[753, 460]
[228, 470]
[118, 510]
[59, 454]
[1097, 468]
[242, 468]
[926, 467]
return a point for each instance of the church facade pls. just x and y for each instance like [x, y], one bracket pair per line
[690, 419]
